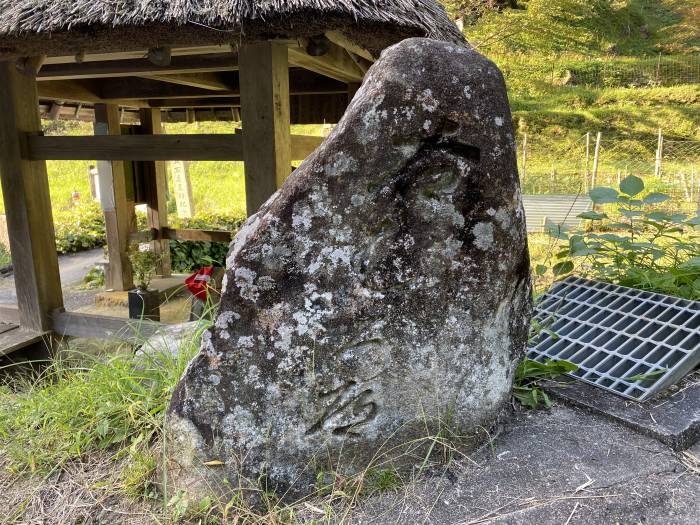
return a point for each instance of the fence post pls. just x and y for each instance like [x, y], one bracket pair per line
[588, 160]
[524, 155]
[596, 158]
[659, 154]
[658, 69]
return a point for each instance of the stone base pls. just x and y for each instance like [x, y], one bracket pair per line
[672, 417]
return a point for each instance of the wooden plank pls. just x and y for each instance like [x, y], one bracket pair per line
[264, 79]
[25, 189]
[143, 236]
[125, 68]
[133, 88]
[120, 217]
[340, 39]
[156, 185]
[335, 63]
[136, 147]
[186, 102]
[196, 235]
[74, 324]
[180, 51]
[212, 81]
[9, 313]
[18, 339]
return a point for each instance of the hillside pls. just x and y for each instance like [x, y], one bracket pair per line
[623, 67]
[587, 27]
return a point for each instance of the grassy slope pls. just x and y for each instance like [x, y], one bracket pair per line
[617, 32]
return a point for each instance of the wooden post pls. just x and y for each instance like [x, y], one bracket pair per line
[659, 154]
[25, 187]
[156, 185]
[524, 155]
[120, 218]
[596, 159]
[264, 83]
[588, 160]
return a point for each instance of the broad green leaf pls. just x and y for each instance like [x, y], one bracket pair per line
[562, 268]
[679, 218]
[540, 269]
[632, 213]
[557, 231]
[593, 215]
[632, 185]
[603, 195]
[655, 198]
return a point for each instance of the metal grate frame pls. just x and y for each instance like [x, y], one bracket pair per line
[614, 333]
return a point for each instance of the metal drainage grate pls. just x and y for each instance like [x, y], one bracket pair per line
[617, 334]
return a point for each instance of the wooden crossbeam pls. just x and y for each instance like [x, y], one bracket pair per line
[195, 235]
[334, 63]
[133, 91]
[211, 81]
[179, 65]
[144, 88]
[74, 324]
[135, 147]
[151, 147]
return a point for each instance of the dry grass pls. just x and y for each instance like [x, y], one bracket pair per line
[88, 490]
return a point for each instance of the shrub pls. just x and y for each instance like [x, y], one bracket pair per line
[641, 246]
[187, 256]
[79, 228]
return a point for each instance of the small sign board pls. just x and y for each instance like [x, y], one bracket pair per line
[183, 189]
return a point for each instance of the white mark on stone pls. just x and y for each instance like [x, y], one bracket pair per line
[483, 235]
[498, 121]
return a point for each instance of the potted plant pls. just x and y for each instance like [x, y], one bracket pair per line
[143, 302]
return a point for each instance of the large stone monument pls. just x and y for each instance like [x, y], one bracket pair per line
[381, 294]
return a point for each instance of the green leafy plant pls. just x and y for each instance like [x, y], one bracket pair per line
[143, 265]
[634, 244]
[95, 278]
[527, 389]
[186, 256]
[79, 228]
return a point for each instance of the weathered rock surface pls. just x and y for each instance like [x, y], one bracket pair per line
[381, 293]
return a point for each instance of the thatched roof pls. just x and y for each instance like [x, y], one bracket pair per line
[69, 26]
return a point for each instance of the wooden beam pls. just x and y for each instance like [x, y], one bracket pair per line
[210, 81]
[196, 235]
[336, 63]
[340, 39]
[73, 90]
[181, 51]
[133, 88]
[228, 146]
[264, 79]
[226, 102]
[120, 217]
[25, 187]
[9, 313]
[74, 324]
[136, 147]
[156, 185]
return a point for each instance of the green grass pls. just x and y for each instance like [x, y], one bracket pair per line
[83, 403]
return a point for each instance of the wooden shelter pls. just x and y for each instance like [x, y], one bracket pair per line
[139, 62]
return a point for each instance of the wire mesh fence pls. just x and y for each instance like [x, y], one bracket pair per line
[605, 72]
[550, 167]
